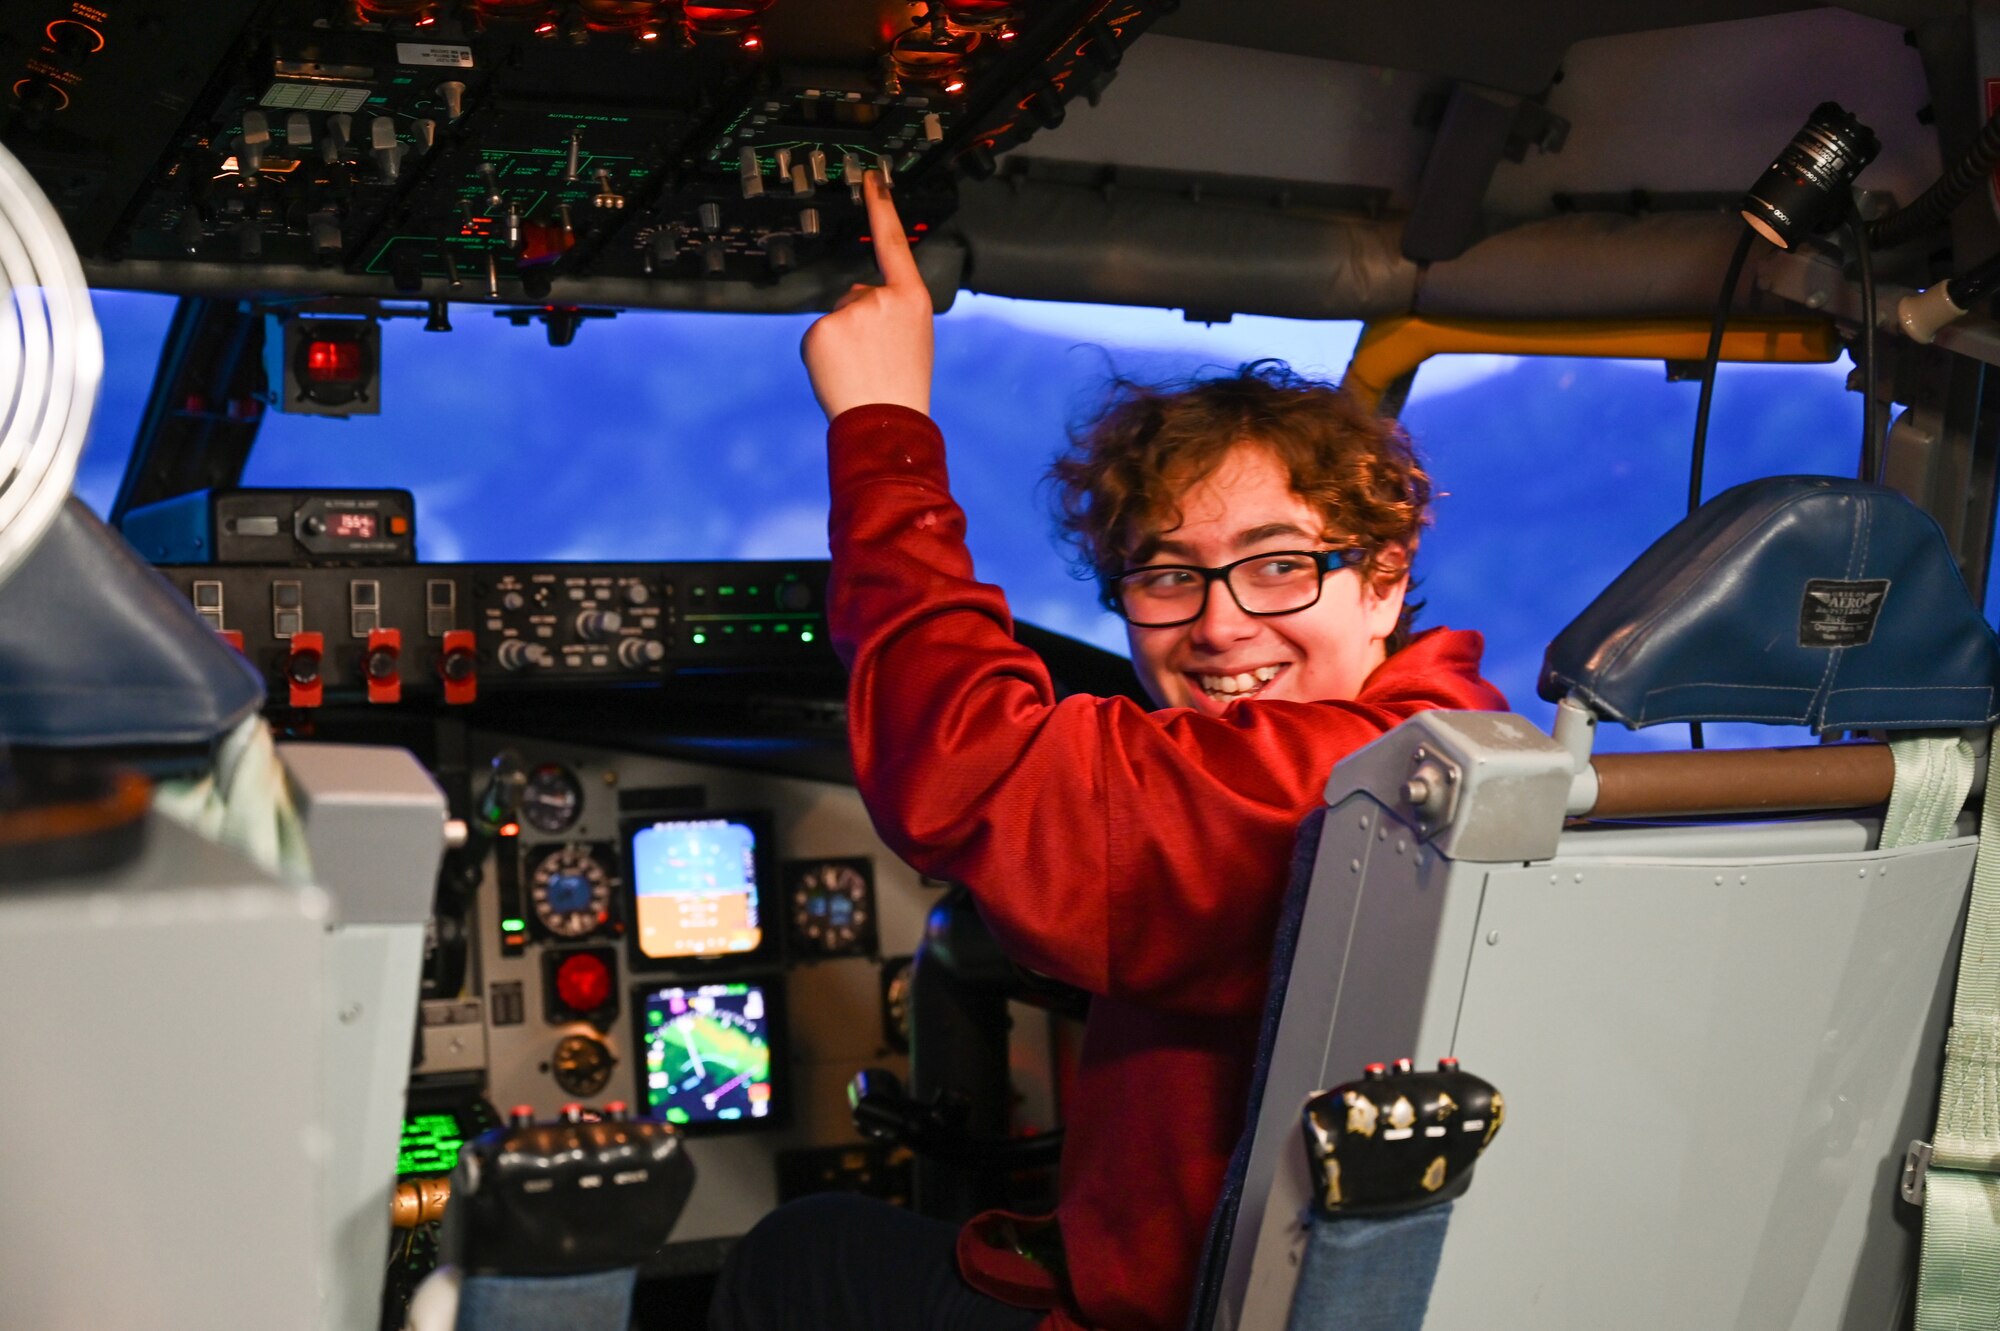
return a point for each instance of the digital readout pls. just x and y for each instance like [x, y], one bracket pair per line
[351, 526]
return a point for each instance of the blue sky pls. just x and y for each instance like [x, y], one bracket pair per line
[686, 436]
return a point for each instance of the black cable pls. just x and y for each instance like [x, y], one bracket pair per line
[1871, 437]
[1974, 284]
[1699, 458]
[1936, 203]
[1708, 363]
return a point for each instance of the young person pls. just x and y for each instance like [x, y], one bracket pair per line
[1255, 534]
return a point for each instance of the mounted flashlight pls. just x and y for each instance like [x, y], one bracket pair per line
[1805, 190]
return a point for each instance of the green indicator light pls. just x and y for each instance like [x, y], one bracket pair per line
[756, 628]
[781, 628]
[805, 635]
[700, 638]
[751, 590]
[513, 926]
[677, 1116]
[725, 591]
[729, 628]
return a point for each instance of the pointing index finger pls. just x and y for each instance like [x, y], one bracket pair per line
[892, 247]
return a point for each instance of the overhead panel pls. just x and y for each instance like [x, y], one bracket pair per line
[496, 149]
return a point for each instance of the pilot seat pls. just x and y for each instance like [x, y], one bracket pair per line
[1713, 987]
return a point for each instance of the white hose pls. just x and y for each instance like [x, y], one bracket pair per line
[51, 361]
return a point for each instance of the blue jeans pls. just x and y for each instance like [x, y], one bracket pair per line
[838, 1262]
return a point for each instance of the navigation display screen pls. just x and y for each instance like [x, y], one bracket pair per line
[709, 1054]
[696, 887]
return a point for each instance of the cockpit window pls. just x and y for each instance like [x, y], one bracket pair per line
[695, 436]
[690, 436]
[134, 324]
[1556, 474]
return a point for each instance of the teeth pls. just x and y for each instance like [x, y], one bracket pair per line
[1247, 682]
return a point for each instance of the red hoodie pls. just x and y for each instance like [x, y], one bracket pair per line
[1138, 855]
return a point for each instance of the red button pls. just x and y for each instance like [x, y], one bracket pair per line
[583, 982]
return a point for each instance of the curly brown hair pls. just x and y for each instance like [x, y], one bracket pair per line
[1126, 467]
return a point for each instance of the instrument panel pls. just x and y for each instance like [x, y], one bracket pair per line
[452, 632]
[748, 1050]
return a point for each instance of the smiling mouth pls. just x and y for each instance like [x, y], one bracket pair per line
[1235, 687]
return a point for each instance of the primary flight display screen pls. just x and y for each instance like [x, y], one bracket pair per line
[697, 887]
[710, 1051]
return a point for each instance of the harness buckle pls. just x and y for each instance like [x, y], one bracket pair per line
[1916, 1168]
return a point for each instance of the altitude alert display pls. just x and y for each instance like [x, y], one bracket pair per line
[708, 1054]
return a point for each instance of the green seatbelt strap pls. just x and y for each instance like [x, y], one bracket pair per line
[1958, 1281]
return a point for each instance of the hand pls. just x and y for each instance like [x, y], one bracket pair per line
[875, 344]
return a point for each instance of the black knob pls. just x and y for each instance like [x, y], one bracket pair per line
[1046, 106]
[381, 663]
[458, 664]
[794, 596]
[302, 666]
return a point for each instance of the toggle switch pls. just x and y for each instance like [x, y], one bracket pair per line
[458, 667]
[303, 677]
[381, 666]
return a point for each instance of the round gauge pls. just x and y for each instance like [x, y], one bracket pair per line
[571, 891]
[896, 1003]
[582, 1064]
[552, 800]
[833, 906]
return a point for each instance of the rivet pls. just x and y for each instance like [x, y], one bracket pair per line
[1493, 938]
[1382, 833]
[1579, 878]
[1862, 872]
[1364, 822]
[1718, 880]
[1354, 865]
[350, 1014]
[1401, 845]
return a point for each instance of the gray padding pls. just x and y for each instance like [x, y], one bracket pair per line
[97, 649]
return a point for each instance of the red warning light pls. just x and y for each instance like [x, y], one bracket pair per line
[751, 41]
[331, 362]
[583, 982]
[956, 85]
[510, 829]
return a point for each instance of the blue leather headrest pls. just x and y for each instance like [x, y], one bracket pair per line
[1795, 600]
[97, 650]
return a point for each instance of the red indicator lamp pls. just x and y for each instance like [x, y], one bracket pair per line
[334, 362]
[330, 365]
[583, 982]
[510, 829]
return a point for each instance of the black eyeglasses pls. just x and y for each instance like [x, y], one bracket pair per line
[1280, 582]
